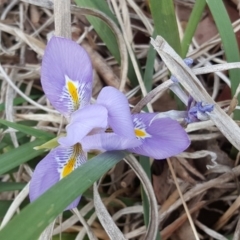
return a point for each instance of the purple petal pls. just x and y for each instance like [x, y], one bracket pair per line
[64, 61]
[108, 142]
[82, 122]
[45, 176]
[118, 111]
[165, 137]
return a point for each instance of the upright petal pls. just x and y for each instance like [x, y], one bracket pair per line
[66, 75]
[161, 138]
[118, 111]
[82, 122]
[57, 164]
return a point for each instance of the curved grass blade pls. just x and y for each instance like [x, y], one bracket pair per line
[193, 21]
[17, 156]
[28, 130]
[39, 214]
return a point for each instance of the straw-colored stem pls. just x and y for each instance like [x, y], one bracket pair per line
[62, 18]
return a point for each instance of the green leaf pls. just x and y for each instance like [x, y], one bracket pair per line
[193, 21]
[145, 161]
[105, 32]
[17, 156]
[27, 130]
[4, 206]
[165, 23]
[39, 214]
[229, 41]
[148, 74]
[11, 186]
[65, 236]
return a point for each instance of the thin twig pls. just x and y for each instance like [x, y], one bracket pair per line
[183, 202]
[9, 81]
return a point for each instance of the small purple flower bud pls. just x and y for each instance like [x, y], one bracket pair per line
[174, 79]
[198, 111]
[188, 61]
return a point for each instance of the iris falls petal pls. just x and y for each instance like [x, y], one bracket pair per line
[56, 165]
[66, 75]
[160, 138]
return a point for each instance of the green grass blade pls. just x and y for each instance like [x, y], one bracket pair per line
[46, 208]
[144, 161]
[4, 206]
[164, 18]
[193, 21]
[105, 32]
[229, 41]
[19, 155]
[11, 186]
[148, 74]
[27, 130]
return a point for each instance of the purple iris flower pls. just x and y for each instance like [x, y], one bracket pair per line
[66, 77]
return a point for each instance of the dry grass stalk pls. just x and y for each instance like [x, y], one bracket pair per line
[183, 202]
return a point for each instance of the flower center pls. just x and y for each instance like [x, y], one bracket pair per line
[71, 163]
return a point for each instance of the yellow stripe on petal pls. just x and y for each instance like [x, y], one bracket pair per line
[140, 133]
[72, 89]
[70, 165]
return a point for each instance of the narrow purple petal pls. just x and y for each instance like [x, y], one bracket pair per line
[118, 111]
[66, 75]
[165, 137]
[82, 122]
[108, 142]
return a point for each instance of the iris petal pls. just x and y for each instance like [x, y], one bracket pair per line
[118, 111]
[108, 142]
[66, 71]
[166, 137]
[82, 122]
[46, 174]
